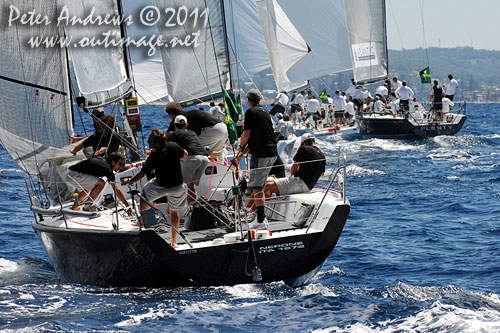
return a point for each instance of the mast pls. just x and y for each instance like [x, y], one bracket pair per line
[226, 45]
[123, 33]
[385, 36]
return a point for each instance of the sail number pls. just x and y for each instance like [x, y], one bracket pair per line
[174, 17]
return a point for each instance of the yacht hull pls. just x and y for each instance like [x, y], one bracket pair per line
[145, 258]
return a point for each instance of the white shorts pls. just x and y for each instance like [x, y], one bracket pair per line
[291, 185]
[214, 137]
[176, 195]
[80, 181]
[193, 167]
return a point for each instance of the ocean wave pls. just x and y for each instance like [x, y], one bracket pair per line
[357, 171]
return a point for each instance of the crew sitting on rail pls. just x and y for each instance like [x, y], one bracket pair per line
[165, 159]
[308, 165]
[196, 162]
[87, 176]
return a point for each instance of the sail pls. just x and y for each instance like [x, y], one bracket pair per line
[147, 73]
[284, 43]
[322, 24]
[367, 34]
[247, 46]
[35, 115]
[97, 68]
[195, 59]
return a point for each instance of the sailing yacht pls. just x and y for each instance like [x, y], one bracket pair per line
[103, 244]
[368, 45]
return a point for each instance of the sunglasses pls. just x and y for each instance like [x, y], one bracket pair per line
[121, 163]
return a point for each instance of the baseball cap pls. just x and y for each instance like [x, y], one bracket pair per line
[306, 136]
[279, 115]
[180, 120]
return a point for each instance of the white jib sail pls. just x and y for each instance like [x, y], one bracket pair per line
[285, 45]
[322, 24]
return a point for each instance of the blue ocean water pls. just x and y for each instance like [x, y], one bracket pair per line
[420, 253]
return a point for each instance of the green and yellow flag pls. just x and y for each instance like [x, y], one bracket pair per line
[425, 75]
[231, 116]
[323, 97]
[228, 102]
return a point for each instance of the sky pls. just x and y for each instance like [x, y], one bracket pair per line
[447, 23]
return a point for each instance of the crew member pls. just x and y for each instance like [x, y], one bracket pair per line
[88, 176]
[404, 94]
[196, 162]
[382, 92]
[308, 165]
[313, 110]
[259, 135]
[339, 104]
[450, 86]
[104, 141]
[165, 159]
[280, 104]
[212, 132]
[298, 106]
[437, 100]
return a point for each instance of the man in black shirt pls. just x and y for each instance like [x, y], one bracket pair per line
[196, 162]
[258, 134]
[87, 176]
[104, 141]
[437, 99]
[165, 159]
[308, 165]
[211, 131]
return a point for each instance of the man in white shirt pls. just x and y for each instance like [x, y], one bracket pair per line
[313, 110]
[349, 111]
[396, 84]
[339, 107]
[405, 94]
[378, 106]
[352, 88]
[394, 107]
[280, 103]
[382, 92]
[298, 106]
[447, 105]
[450, 86]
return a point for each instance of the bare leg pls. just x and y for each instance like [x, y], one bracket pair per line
[191, 196]
[270, 188]
[174, 219]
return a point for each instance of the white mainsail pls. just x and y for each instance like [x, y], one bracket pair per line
[367, 35]
[322, 24]
[35, 112]
[196, 71]
[285, 45]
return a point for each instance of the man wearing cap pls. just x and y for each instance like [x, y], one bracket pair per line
[211, 131]
[165, 160]
[104, 140]
[308, 165]
[258, 138]
[196, 162]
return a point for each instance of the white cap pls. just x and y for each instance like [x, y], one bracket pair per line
[279, 115]
[180, 120]
[306, 136]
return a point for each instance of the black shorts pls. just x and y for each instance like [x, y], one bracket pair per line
[450, 97]
[294, 108]
[277, 109]
[404, 105]
[339, 114]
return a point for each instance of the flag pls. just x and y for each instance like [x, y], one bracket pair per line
[229, 105]
[425, 75]
[238, 104]
[231, 128]
[323, 97]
